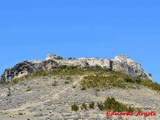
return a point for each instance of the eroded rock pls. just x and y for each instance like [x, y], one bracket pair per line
[120, 63]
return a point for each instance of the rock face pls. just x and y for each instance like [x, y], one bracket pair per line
[120, 63]
[125, 64]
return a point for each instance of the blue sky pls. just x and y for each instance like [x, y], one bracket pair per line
[30, 29]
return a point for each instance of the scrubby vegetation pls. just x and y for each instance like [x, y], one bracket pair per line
[100, 106]
[116, 79]
[59, 58]
[61, 70]
[109, 104]
[91, 105]
[95, 77]
[150, 84]
[84, 106]
[113, 105]
[111, 78]
[75, 107]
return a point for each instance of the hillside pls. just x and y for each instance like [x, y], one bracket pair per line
[77, 89]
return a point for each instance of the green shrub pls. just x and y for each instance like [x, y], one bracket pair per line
[75, 107]
[100, 106]
[91, 105]
[131, 109]
[15, 81]
[128, 79]
[111, 104]
[84, 106]
[59, 58]
[71, 58]
[63, 66]
[138, 80]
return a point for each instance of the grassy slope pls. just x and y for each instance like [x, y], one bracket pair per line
[95, 78]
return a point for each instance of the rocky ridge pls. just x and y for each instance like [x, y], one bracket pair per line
[120, 63]
[51, 96]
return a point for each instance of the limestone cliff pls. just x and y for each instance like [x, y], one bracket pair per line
[120, 63]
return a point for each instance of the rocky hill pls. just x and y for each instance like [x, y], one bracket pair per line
[78, 89]
[120, 63]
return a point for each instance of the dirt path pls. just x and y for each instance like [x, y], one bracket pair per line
[56, 96]
[45, 98]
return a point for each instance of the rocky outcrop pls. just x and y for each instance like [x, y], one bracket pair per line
[19, 70]
[26, 67]
[125, 64]
[120, 63]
